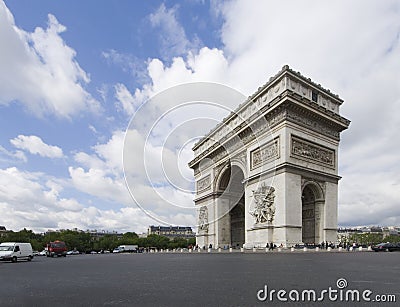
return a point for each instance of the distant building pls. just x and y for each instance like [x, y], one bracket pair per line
[172, 231]
[142, 235]
[3, 231]
[97, 235]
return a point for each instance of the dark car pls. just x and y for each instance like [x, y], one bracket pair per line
[386, 247]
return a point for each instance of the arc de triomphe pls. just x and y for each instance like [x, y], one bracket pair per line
[269, 171]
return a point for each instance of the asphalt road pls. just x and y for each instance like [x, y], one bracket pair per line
[192, 279]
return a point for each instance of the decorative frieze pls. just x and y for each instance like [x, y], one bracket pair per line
[264, 154]
[204, 184]
[307, 150]
[313, 124]
[245, 136]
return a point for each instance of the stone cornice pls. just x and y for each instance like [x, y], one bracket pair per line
[286, 84]
[289, 108]
[208, 196]
[297, 75]
[292, 168]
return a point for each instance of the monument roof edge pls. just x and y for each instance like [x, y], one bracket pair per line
[286, 68]
[261, 89]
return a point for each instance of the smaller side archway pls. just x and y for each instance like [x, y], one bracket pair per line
[312, 217]
[231, 188]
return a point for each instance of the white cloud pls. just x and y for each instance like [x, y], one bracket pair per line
[172, 35]
[26, 199]
[93, 129]
[34, 201]
[95, 182]
[208, 65]
[7, 156]
[36, 146]
[100, 175]
[40, 71]
[125, 100]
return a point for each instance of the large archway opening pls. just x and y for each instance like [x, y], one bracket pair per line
[308, 216]
[231, 184]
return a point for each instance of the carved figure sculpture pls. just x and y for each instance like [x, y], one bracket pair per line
[264, 208]
[203, 219]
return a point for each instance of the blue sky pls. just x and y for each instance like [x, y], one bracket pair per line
[72, 74]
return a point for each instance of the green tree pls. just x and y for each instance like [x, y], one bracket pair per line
[108, 242]
[392, 239]
[129, 238]
[157, 241]
[366, 238]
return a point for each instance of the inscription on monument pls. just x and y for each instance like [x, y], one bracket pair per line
[310, 151]
[264, 154]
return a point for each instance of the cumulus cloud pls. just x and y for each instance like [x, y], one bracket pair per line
[8, 156]
[208, 65]
[26, 198]
[100, 175]
[36, 146]
[40, 71]
[125, 100]
[95, 182]
[34, 201]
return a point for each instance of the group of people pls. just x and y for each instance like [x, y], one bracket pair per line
[326, 244]
[271, 246]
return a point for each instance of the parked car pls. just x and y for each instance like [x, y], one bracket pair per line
[14, 251]
[42, 253]
[74, 252]
[386, 247]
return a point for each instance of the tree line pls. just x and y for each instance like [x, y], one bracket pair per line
[84, 242]
[372, 238]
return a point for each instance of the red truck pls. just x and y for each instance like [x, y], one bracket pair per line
[56, 248]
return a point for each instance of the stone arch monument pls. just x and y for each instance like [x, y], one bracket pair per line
[269, 171]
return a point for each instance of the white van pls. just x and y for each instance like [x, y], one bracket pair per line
[14, 251]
